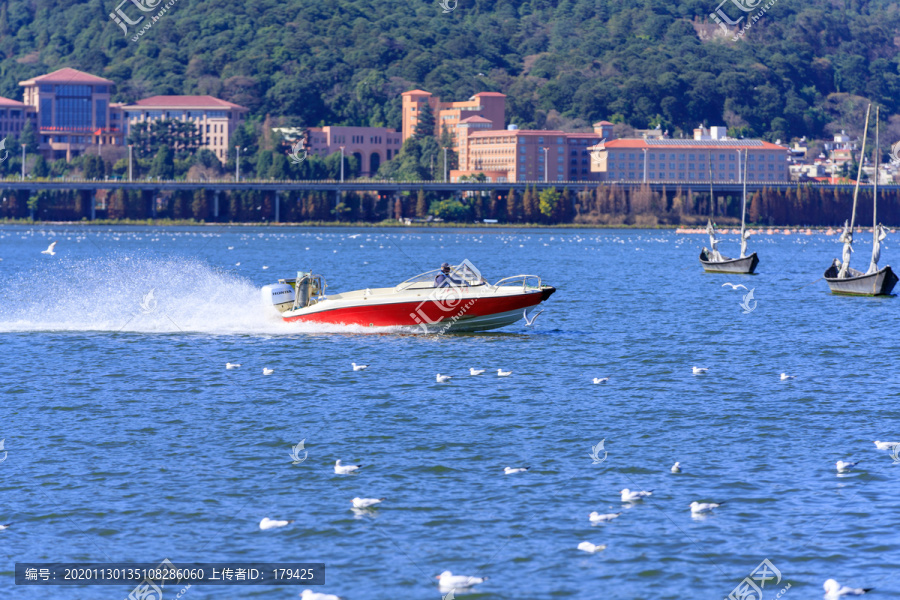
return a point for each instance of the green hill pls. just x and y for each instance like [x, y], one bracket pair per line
[798, 71]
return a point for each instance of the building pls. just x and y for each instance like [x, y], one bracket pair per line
[448, 115]
[215, 119]
[13, 115]
[370, 145]
[73, 112]
[688, 160]
[512, 154]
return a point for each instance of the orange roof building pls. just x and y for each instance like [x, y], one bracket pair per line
[448, 115]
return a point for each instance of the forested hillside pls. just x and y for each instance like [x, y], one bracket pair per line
[346, 61]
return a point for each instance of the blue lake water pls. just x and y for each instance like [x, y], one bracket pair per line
[127, 440]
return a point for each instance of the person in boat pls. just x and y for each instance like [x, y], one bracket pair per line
[444, 279]
[713, 254]
[880, 234]
[745, 235]
[847, 239]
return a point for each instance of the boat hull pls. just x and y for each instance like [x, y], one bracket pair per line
[879, 283]
[746, 265]
[458, 314]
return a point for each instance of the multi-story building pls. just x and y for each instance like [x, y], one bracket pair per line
[215, 119]
[73, 112]
[370, 145]
[688, 160]
[448, 115]
[525, 155]
[13, 115]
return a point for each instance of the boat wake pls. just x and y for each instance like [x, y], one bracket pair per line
[143, 295]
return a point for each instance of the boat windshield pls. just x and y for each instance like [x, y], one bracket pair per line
[463, 274]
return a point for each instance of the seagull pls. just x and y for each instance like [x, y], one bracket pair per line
[886, 445]
[702, 507]
[357, 367]
[449, 581]
[502, 373]
[596, 517]
[7, 526]
[699, 370]
[589, 547]
[733, 286]
[601, 379]
[629, 496]
[265, 267]
[344, 469]
[354, 236]
[230, 366]
[443, 378]
[530, 322]
[514, 470]
[474, 372]
[237, 264]
[843, 466]
[835, 590]
[231, 247]
[268, 371]
[366, 502]
[311, 595]
[268, 523]
[49, 249]
[676, 468]
[786, 376]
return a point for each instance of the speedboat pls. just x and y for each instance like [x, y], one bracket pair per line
[432, 302]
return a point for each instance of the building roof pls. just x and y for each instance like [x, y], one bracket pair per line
[475, 119]
[602, 123]
[490, 94]
[67, 75]
[696, 144]
[8, 102]
[416, 92]
[199, 102]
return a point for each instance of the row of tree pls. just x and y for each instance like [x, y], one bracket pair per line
[603, 205]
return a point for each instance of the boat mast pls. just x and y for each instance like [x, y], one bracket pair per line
[875, 190]
[744, 208]
[862, 155]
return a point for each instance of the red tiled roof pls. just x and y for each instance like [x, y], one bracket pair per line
[697, 144]
[602, 123]
[475, 119]
[491, 94]
[416, 92]
[184, 102]
[67, 75]
[11, 103]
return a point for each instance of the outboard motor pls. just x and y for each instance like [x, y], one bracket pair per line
[280, 295]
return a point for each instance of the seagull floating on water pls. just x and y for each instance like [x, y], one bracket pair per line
[600, 380]
[502, 373]
[844, 466]
[366, 502]
[676, 468]
[268, 523]
[596, 517]
[474, 372]
[231, 247]
[49, 249]
[357, 367]
[344, 469]
[530, 322]
[449, 581]
[703, 507]
[268, 371]
[589, 547]
[311, 595]
[629, 496]
[786, 376]
[886, 445]
[7, 526]
[835, 590]
[514, 470]
[733, 286]
[443, 378]
[230, 366]
[699, 370]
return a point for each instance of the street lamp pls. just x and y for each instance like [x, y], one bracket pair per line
[445, 165]
[130, 149]
[645, 164]
[342, 164]
[546, 164]
[23, 162]
[237, 165]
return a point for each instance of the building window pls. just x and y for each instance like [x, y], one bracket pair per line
[46, 112]
[100, 113]
[46, 89]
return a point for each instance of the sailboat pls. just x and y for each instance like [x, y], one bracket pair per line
[713, 261]
[841, 278]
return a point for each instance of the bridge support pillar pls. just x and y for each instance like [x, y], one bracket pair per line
[93, 205]
[277, 207]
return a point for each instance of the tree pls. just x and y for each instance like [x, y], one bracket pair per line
[93, 166]
[549, 198]
[163, 165]
[40, 168]
[425, 123]
[200, 205]
[263, 163]
[28, 136]
[421, 205]
[514, 206]
[450, 210]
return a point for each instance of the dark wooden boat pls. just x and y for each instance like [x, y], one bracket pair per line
[744, 266]
[879, 283]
